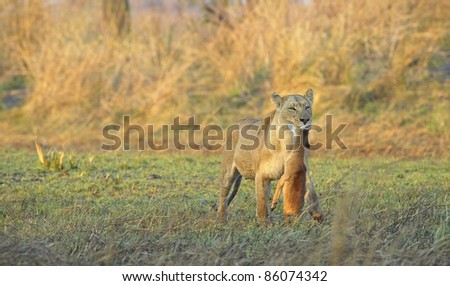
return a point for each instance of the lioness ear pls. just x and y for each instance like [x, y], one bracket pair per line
[310, 95]
[276, 99]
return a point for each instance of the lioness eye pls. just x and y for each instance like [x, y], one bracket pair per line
[292, 109]
[308, 108]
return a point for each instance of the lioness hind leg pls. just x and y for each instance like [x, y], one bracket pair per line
[229, 177]
[236, 184]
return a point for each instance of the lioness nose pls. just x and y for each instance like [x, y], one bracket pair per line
[304, 120]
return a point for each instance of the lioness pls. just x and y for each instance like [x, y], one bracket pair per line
[261, 150]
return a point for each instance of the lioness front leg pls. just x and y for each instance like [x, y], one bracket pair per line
[262, 187]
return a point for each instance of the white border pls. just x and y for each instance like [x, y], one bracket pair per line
[112, 275]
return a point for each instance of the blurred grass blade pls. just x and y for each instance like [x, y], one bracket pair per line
[40, 153]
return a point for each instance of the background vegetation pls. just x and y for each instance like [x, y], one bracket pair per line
[124, 209]
[382, 67]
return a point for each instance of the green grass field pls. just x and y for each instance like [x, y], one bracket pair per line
[143, 209]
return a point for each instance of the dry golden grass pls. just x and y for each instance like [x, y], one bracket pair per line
[369, 62]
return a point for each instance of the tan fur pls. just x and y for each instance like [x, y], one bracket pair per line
[263, 164]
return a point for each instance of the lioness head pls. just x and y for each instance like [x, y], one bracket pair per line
[295, 110]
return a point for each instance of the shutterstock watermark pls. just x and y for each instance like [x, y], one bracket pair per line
[212, 137]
